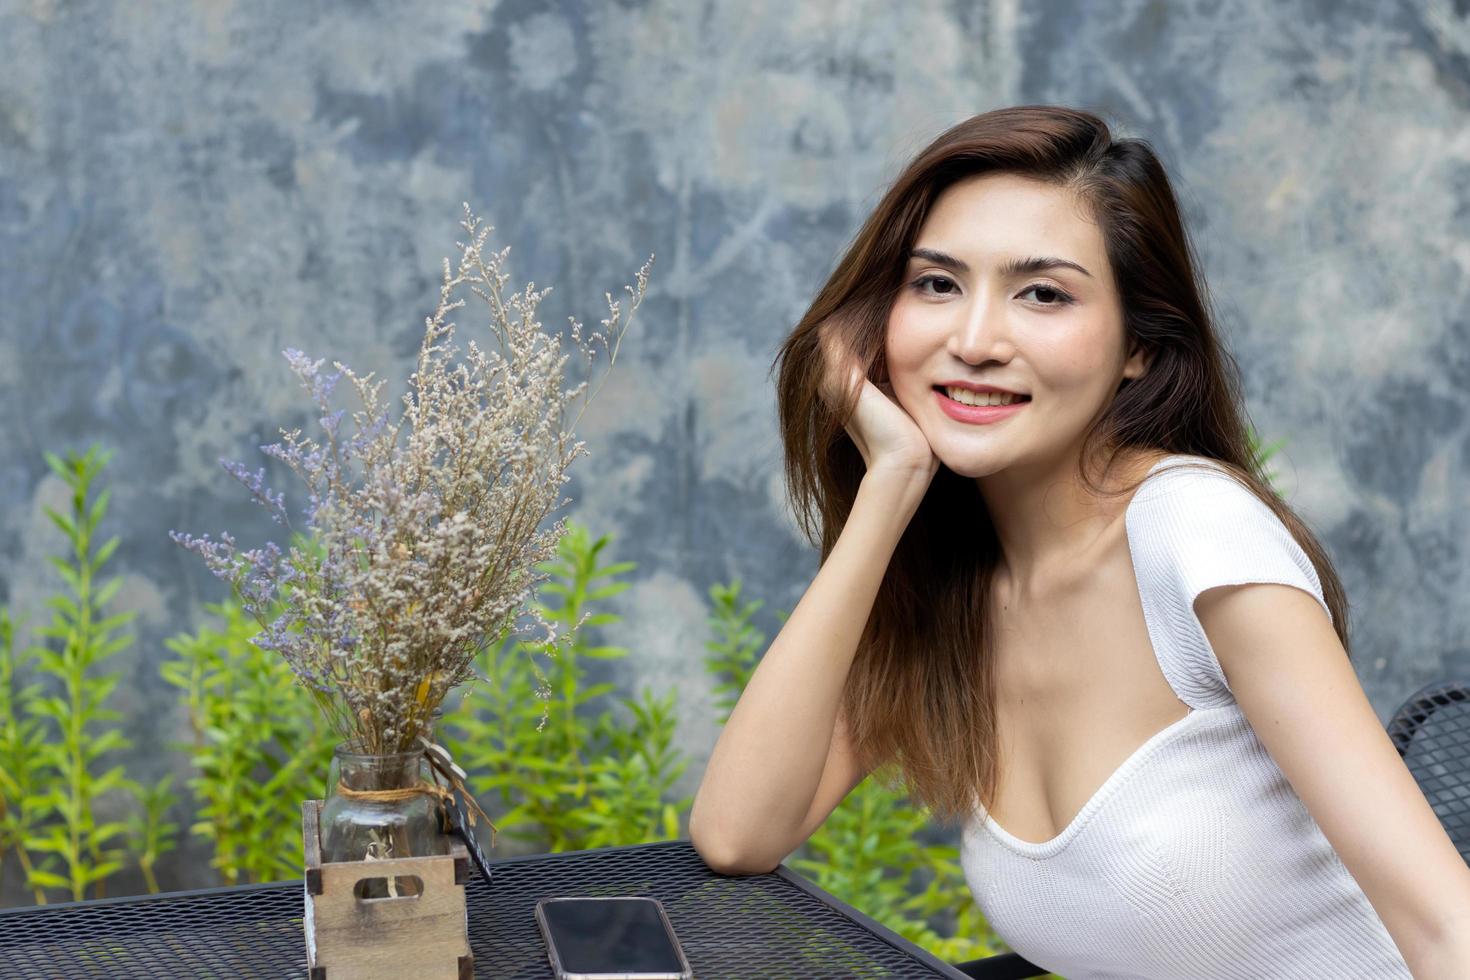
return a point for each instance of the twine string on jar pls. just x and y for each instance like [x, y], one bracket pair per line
[392, 795]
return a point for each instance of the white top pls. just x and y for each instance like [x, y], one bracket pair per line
[1195, 859]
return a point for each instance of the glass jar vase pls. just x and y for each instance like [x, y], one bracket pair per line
[372, 813]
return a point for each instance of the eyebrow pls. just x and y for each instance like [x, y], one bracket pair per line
[1011, 267]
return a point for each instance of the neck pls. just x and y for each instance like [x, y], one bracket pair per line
[1048, 524]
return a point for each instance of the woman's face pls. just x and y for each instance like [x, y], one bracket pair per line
[1052, 333]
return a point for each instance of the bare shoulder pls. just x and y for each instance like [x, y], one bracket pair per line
[1125, 477]
[1134, 464]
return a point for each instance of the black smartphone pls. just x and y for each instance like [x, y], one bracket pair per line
[623, 938]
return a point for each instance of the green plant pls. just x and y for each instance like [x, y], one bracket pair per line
[256, 749]
[79, 850]
[736, 646]
[151, 833]
[1263, 453]
[575, 782]
[629, 802]
[22, 798]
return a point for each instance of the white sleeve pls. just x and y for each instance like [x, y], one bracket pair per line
[1191, 530]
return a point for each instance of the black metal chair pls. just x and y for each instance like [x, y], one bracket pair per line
[1432, 733]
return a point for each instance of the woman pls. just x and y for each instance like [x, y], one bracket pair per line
[1006, 614]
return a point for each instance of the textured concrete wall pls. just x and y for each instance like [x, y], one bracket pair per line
[188, 188]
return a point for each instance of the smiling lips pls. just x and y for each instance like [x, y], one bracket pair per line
[977, 414]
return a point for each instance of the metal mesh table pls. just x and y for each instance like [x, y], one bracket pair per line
[772, 925]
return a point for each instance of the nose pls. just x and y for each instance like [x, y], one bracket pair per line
[980, 333]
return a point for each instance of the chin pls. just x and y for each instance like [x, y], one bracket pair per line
[969, 469]
[968, 464]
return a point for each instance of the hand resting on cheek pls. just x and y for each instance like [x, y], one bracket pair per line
[886, 435]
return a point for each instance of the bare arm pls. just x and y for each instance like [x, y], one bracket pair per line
[1301, 695]
[782, 762]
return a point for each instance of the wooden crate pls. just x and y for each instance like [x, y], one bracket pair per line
[423, 936]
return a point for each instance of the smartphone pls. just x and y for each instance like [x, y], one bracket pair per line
[623, 938]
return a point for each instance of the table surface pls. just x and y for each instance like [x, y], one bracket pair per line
[771, 925]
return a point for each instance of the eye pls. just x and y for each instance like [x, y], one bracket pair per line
[1061, 298]
[923, 281]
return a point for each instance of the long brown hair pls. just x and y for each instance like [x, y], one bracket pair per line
[919, 698]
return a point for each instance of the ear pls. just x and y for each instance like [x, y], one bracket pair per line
[1138, 361]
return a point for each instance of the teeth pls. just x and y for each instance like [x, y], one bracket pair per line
[967, 397]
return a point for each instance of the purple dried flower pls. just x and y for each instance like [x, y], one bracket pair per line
[275, 504]
[406, 573]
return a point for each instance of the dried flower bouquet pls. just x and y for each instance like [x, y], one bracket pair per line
[431, 553]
